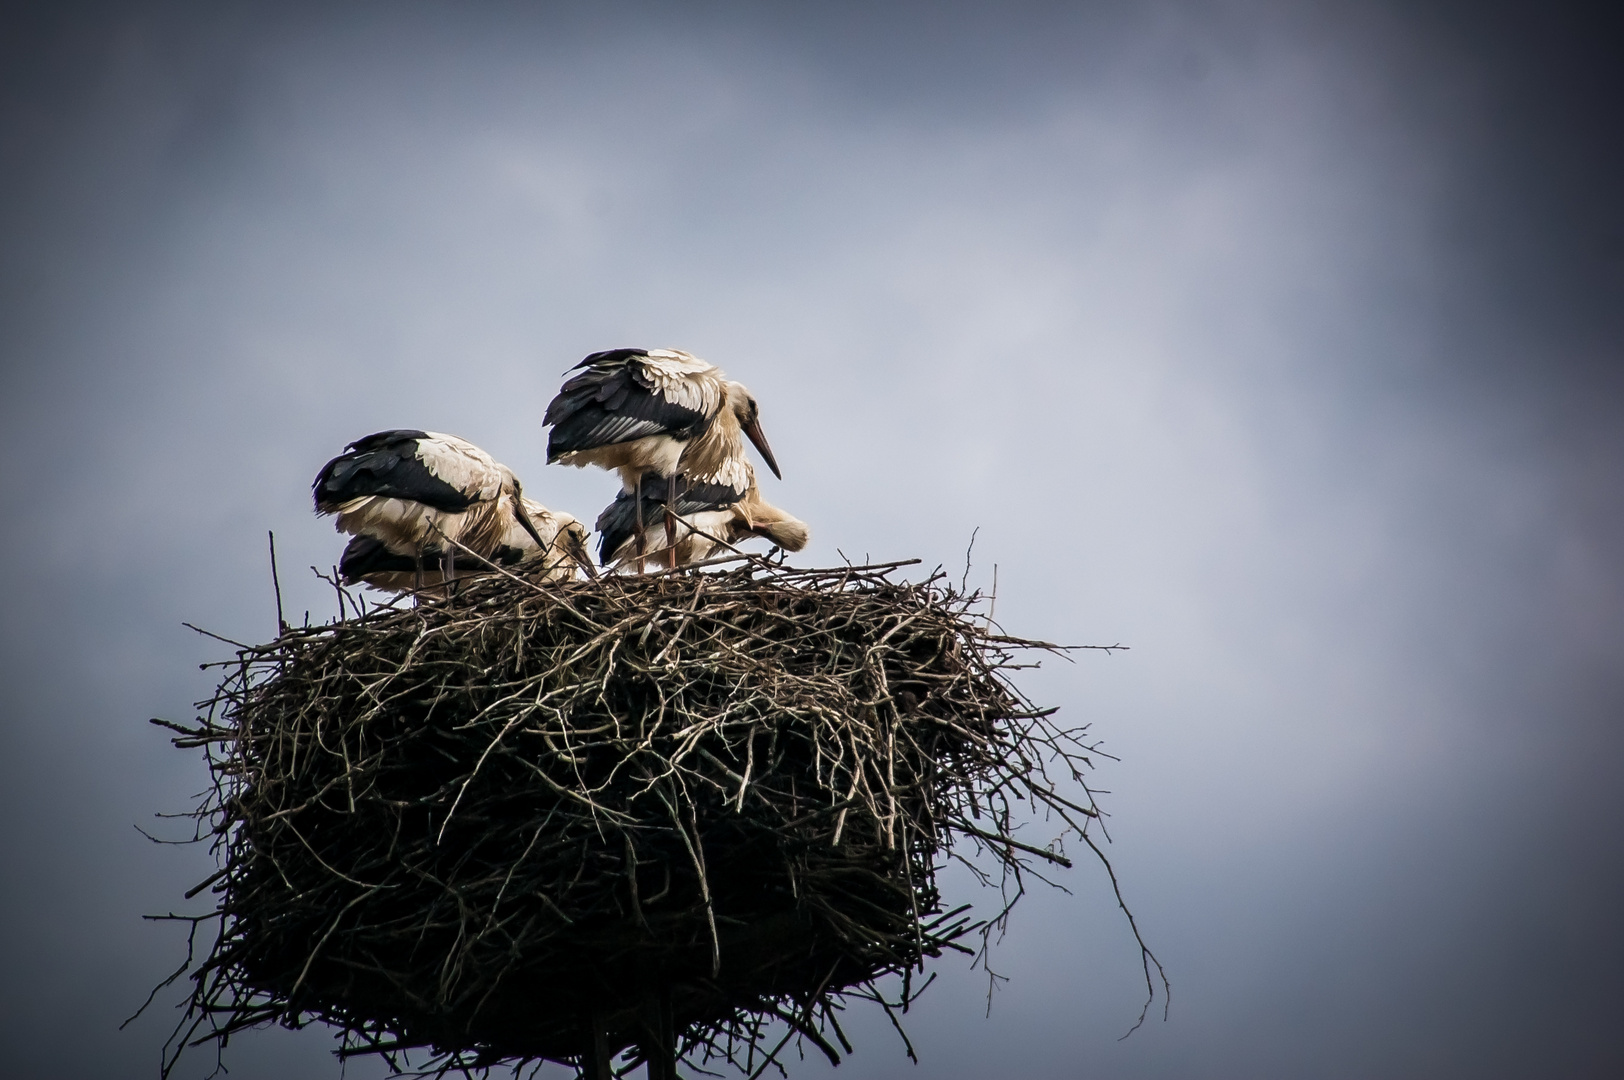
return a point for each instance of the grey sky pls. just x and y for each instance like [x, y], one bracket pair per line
[1276, 341]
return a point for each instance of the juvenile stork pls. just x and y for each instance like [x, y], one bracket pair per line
[371, 560]
[656, 412]
[719, 511]
[424, 495]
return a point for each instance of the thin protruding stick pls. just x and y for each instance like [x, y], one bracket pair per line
[276, 583]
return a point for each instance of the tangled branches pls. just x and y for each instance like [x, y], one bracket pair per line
[676, 815]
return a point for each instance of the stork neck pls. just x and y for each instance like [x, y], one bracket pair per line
[721, 440]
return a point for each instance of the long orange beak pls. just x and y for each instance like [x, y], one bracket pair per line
[753, 429]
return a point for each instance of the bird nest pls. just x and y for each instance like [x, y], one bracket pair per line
[502, 830]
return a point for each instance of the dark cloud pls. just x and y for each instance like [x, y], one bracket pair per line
[1534, 221]
[1279, 341]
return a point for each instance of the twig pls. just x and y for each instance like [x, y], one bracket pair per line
[276, 583]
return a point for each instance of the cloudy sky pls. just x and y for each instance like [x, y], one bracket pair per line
[1280, 342]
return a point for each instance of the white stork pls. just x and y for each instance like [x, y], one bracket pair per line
[719, 511]
[422, 495]
[653, 411]
[371, 560]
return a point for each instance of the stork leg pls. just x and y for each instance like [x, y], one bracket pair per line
[637, 508]
[671, 520]
[448, 568]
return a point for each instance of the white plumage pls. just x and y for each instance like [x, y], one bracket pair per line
[659, 412]
[711, 519]
[434, 499]
[561, 552]
[633, 411]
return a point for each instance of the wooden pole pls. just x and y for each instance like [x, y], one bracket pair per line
[597, 1062]
[659, 1046]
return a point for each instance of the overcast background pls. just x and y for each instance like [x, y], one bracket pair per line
[1277, 341]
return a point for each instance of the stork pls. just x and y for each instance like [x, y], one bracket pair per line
[720, 510]
[373, 561]
[423, 494]
[653, 411]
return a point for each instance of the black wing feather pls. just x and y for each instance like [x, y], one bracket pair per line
[365, 555]
[379, 439]
[618, 522]
[385, 463]
[609, 356]
[610, 403]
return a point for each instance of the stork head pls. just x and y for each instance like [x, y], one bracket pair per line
[744, 407]
[519, 510]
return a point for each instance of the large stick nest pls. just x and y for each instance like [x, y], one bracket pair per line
[485, 828]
